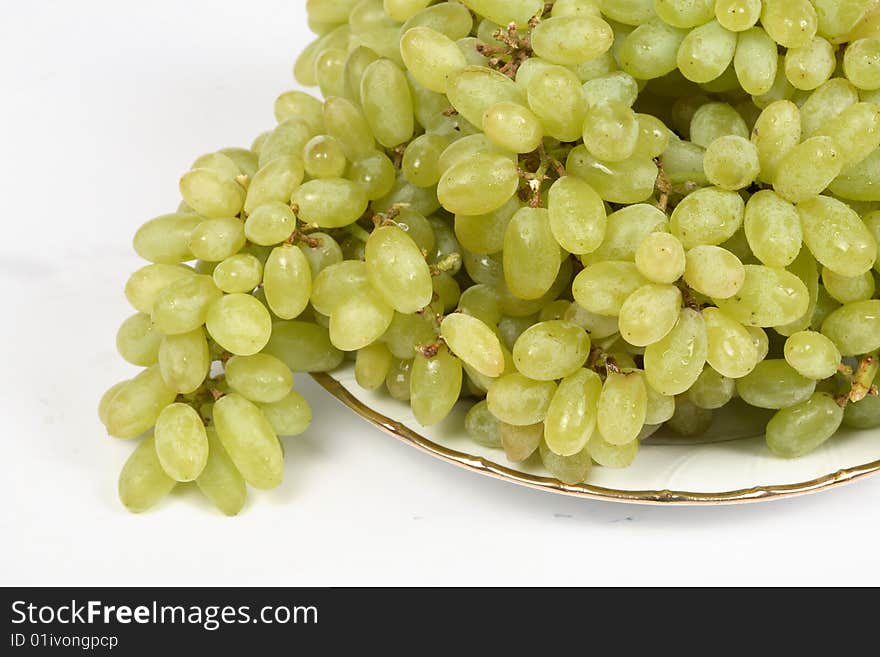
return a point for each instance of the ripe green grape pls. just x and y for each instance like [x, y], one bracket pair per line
[431, 57]
[611, 131]
[138, 340]
[768, 297]
[731, 349]
[484, 233]
[602, 288]
[217, 239]
[860, 61]
[144, 286]
[685, 13]
[274, 182]
[143, 482]
[731, 162]
[773, 229]
[220, 481]
[166, 239]
[346, 123]
[359, 321]
[802, 428]
[714, 271]
[737, 15]
[649, 314]
[810, 65]
[571, 470]
[555, 96]
[185, 360]
[714, 120]
[808, 168]
[864, 414]
[183, 305]
[519, 400]
[181, 442]
[660, 258]
[629, 181]
[513, 127]
[712, 390]
[474, 343]
[532, 257]
[239, 323]
[136, 405]
[421, 160]
[303, 347]
[479, 185]
[673, 364]
[791, 23]
[622, 408]
[707, 216]
[474, 89]
[329, 202]
[571, 416]
[520, 443]
[846, 289]
[372, 366]
[482, 426]
[287, 281]
[706, 52]
[374, 174]
[551, 350]
[249, 440]
[435, 385]
[397, 269]
[775, 384]
[855, 327]
[259, 377]
[651, 50]
[837, 236]
[289, 416]
[568, 40]
[625, 230]
[812, 354]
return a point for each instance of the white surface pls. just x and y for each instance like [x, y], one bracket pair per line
[104, 105]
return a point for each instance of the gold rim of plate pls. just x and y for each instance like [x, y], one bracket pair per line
[490, 468]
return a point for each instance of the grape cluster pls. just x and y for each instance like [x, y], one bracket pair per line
[586, 218]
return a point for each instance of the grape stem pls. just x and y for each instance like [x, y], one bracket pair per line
[535, 180]
[663, 185]
[863, 381]
[449, 263]
[516, 50]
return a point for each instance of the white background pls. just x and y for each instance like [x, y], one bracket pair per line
[103, 106]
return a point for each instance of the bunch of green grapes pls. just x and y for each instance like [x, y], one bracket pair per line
[586, 219]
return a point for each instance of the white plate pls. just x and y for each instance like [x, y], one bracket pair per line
[725, 469]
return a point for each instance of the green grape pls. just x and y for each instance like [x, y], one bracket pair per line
[137, 404]
[374, 174]
[329, 11]
[775, 384]
[712, 390]
[397, 269]
[372, 366]
[649, 314]
[217, 239]
[812, 355]
[298, 104]
[469, 47]
[768, 297]
[288, 138]
[431, 57]
[474, 343]
[551, 350]
[826, 103]
[504, 12]
[714, 120]
[682, 163]
[482, 426]
[485, 233]
[270, 224]
[737, 15]
[706, 52]
[449, 18]
[338, 283]
[218, 162]
[622, 407]
[107, 398]
[287, 281]
[166, 239]
[183, 305]
[654, 136]
[220, 481]
[481, 301]
[791, 23]
[249, 440]
[407, 333]
[274, 182]
[185, 360]
[773, 229]
[660, 258]
[304, 68]
[513, 127]
[529, 69]
[731, 348]
[324, 157]
[520, 443]
[384, 41]
[142, 482]
[181, 442]
[707, 216]
[466, 148]
[660, 408]
[144, 286]
[421, 160]
[330, 71]
[330, 202]
[617, 87]
[856, 131]
[518, 400]
[532, 257]
[825, 305]
[685, 13]
[864, 414]
[571, 470]
[628, 12]
[689, 419]
[402, 10]
[860, 62]
[239, 324]
[359, 321]
[603, 287]
[447, 291]
[808, 168]
[435, 385]
[210, 194]
[859, 181]
[611, 131]
[756, 61]
[289, 416]
[612, 456]
[245, 159]
[303, 347]
[807, 270]
[479, 185]
[837, 236]
[260, 378]
[571, 416]
[804, 427]
[837, 18]
[626, 182]
[568, 40]
[847, 289]
[651, 50]
[355, 64]
[239, 273]
[855, 327]
[714, 271]
[777, 132]
[138, 340]
[555, 96]
[368, 15]
[346, 123]
[872, 221]
[673, 364]
[731, 162]
[809, 66]
[320, 251]
[577, 215]
[474, 89]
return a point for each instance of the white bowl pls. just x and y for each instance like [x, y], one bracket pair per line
[720, 468]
